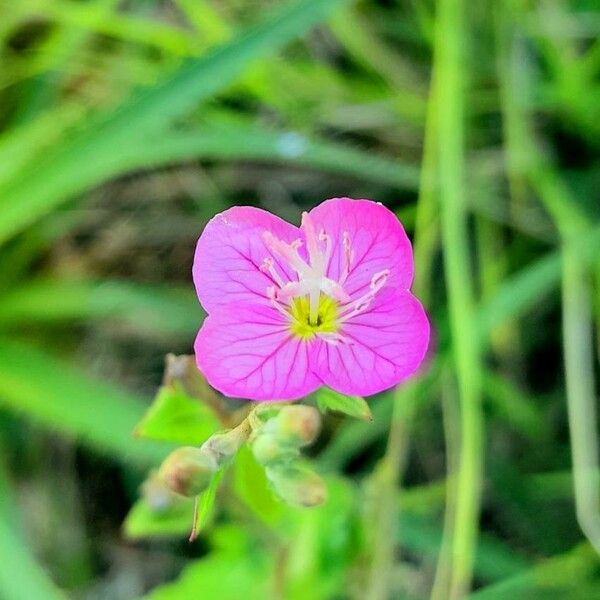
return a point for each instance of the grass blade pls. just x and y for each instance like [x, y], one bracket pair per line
[84, 159]
[150, 309]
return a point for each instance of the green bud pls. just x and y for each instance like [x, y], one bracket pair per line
[268, 450]
[156, 494]
[298, 485]
[298, 424]
[224, 445]
[187, 471]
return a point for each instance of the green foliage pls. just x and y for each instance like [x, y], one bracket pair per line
[20, 575]
[124, 126]
[106, 144]
[176, 417]
[206, 503]
[57, 395]
[353, 406]
[149, 310]
[252, 487]
[572, 576]
[235, 567]
[171, 521]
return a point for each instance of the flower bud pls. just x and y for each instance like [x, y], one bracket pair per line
[298, 424]
[187, 471]
[268, 450]
[298, 486]
[224, 445]
[156, 494]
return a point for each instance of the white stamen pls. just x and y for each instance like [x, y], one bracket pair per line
[294, 289]
[323, 237]
[334, 338]
[268, 266]
[273, 296]
[348, 257]
[287, 252]
[312, 277]
[377, 282]
[312, 243]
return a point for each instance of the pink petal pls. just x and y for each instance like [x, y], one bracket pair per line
[378, 241]
[246, 351]
[388, 343]
[230, 252]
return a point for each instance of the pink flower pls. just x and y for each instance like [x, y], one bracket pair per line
[291, 309]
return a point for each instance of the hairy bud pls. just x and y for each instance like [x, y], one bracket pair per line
[268, 450]
[298, 485]
[224, 445]
[298, 424]
[156, 494]
[187, 471]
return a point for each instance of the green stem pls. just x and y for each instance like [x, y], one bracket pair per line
[388, 479]
[427, 226]
[581, 399]
[443, 571]
[450, 67]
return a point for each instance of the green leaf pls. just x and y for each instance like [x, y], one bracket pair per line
[237, 570]
[206, 502]
[173, 521]
[354, 406]
[175, 417]
[51, 392]
[252, 486]
[325, 540]
[567, 576]
[93, 154]
[249, 142]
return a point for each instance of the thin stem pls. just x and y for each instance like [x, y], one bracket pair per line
[450, 70]
[388, 479]
[441, 581]
[427, 222]
[581, 400]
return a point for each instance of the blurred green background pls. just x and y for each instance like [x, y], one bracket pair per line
[126, 124]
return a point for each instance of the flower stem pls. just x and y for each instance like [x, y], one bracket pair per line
[450, 76]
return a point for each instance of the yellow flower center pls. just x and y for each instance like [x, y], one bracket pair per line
[325, 322]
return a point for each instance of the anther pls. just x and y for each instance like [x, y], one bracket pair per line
[334, 338]
[268, 266]
[348, 256]
[323, 237]
[379, 279]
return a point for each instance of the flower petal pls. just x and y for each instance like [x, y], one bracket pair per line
[378, 241]
[247, 351]
[230, 252]
[387, 343]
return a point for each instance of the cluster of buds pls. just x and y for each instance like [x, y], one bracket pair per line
[277, 433]
[276, 443]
